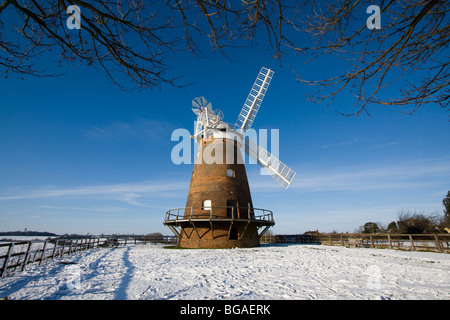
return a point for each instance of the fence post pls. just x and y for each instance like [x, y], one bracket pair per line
[63, 247]
[5, 263]
[43, 252]
[27, 255]
[34, 256]
[54, 248]
[390, 242]
[412, 242]
[438, 244]
[70, 247]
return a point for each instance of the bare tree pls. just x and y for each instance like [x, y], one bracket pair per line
[135, 37]
[116, 36]
[413, 222]
[410, 50]
[412, 43]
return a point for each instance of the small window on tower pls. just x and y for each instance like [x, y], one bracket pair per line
[230, 173]
[206, 205]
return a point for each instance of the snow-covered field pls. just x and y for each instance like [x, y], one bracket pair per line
[268, 272]
[24, 238]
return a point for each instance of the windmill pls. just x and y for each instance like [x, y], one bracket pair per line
[219, 212]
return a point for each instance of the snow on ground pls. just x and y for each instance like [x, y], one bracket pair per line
[267, 272]
[23, 238]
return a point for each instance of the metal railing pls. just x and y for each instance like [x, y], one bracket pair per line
[210, 213]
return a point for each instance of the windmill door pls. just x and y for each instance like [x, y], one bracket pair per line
[231, 209]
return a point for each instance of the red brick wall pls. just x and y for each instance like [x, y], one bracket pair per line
[210, 182]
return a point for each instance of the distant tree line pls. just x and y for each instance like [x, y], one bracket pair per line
[413, 222]
[27, 233]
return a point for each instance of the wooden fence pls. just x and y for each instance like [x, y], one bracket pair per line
[290, 238]
[15, 255]
[413, 242]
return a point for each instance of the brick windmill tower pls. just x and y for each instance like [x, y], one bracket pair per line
[219, 211]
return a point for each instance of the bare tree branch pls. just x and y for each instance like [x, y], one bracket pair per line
[412, 39]
[135, 37]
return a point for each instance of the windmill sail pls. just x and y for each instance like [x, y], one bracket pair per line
[278, 170]
[254, 99]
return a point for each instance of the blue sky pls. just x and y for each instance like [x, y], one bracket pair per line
[78, 155]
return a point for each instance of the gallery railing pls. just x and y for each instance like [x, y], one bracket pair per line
[222, 213]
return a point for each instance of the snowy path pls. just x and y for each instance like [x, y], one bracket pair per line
[268, 272]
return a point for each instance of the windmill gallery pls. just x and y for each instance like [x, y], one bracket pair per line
[219, 211]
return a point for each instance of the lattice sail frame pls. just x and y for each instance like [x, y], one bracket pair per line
[254, 100]
[277, 169]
